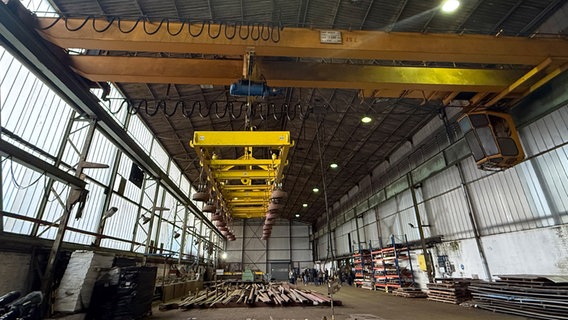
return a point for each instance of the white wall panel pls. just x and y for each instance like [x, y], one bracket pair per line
[302, 257]
[368, 217]
[280, 229]
[448, 216]
[300, 230]
[371, 232]
[300, 244]
[278, 255]
[279, 243]
[341, 244]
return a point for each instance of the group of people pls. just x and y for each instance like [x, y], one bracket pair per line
[315, 276]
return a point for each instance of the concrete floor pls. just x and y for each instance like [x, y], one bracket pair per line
[358, 304]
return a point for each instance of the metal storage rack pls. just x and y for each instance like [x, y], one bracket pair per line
[392, 267]
[363, 264]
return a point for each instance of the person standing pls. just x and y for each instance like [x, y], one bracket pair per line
[292, 276]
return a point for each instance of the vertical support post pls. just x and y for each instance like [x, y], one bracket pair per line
[409, 259]
[357, 227]
[173, 228]
[138, 213]
[474, 223]
[200, 255]
[420, 228]
[243, 245]
[183, 234]
[160, 218]
[290, 241]
[151, 224]
[102, 221]
[48, 275]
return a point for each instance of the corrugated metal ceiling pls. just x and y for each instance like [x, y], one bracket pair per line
[356, 147]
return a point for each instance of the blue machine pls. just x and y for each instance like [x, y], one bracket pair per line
[246, 87]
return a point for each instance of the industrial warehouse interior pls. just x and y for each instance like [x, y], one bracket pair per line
[271, 159]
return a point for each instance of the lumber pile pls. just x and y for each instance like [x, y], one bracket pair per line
[409, 292]
[453, 291]
[226, 294]
[538, 297]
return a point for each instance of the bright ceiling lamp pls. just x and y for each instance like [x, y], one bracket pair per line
[366, 119]
[315, 189]
[305, 205]
[333, 165]
[450, 6]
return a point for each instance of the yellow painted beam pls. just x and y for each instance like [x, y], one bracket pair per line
[293, 74]
[152, 70]
[242, 200]
[242, 162]
[245, 194]
[246, 203]
[540, 67]
[303, 42]
[248, 210]
[249, 216]
[244, 174]
[253, 187]
[241, 139]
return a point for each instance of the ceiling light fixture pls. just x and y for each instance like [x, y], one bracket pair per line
[315, 190]
[305, 205]
[297, 215]
[366, 119]
[450, 6]
[333, 166]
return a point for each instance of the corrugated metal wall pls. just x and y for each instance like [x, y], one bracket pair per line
[531, 195]
[289, 242]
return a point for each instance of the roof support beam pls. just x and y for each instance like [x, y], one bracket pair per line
[301, 42]
[293, 74]
[27, 159]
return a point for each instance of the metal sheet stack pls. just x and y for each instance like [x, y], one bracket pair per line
[453, 291]
[538, 297]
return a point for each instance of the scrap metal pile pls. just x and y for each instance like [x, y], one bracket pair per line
[251, 294]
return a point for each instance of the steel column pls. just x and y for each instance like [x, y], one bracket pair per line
[420, 229]
[184, 234]
[48, 275]
[102, 220]
[151, 225]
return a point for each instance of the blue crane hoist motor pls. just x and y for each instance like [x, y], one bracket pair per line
[246, 87]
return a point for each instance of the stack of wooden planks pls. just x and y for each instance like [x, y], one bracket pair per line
[453, 291]
[409, 292]
[251, 294]
[538, 297]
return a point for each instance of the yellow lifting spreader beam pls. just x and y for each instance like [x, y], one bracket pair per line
[242, 186]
